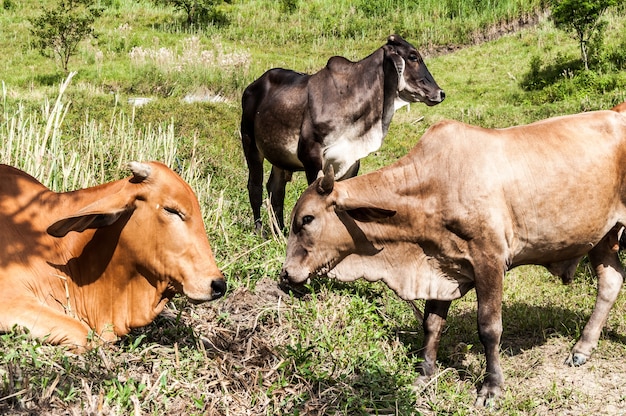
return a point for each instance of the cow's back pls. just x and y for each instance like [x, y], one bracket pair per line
[21, 196]
[23, 207]
[14, 182]
[537, 182]
[272, 112]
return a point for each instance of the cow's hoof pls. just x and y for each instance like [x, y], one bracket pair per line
[485, 401]
[421, 383]
[487, 397]
[576, 359]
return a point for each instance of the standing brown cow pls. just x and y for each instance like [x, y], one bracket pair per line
[466, 205]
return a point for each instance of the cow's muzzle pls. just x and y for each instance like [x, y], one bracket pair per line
[287, 285]
[429, 98]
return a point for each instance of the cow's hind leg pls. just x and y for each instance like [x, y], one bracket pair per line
[276, 189]
[46, 323]
[254, 158]
[605, 260]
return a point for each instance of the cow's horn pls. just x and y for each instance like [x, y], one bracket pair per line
[325, 186]
[140, 170]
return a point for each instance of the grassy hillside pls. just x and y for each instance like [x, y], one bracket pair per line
[343, 349]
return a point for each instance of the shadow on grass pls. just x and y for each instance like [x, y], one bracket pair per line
[525, 327]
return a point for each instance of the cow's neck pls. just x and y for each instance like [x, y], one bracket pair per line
[401, 243]
[377, 76]
[363, 132]
[402, 187]
[105, 291]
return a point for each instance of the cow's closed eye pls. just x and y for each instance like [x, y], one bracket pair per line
[174, 211]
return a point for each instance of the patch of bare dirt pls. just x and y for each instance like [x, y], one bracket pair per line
[492, 33]
[244, 348]
[596, 388]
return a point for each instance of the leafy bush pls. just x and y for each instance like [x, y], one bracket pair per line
[198, 11]
[59, 30]
[541, 76]
[583, 18]
[289, 6]
[581, 86]
[8, 5]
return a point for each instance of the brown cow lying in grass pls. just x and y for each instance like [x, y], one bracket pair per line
[104, 259]
[466, 205]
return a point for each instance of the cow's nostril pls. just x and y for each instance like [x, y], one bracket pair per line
[284, 277]
[443, 95]
[218, 287]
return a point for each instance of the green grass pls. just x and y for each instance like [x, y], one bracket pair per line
[345, 349]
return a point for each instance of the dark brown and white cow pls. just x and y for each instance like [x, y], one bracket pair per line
[333, 117]
[466, 205]
[100, 260]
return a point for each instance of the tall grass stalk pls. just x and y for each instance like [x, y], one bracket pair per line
[36, 144]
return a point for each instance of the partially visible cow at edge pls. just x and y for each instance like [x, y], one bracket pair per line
[463, 207]
[620, 108]
[333, 117]
[100, 260]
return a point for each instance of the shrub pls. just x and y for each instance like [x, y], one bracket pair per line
[198, 11]
[8, 4]
[582, 17]
[59, 30]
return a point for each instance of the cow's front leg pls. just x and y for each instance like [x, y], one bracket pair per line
[489, 295]
[605, 261]
[310, 153]
[435, 315]
[276, 189]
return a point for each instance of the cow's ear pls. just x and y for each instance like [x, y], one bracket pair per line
[370, 214]
[399, 64]
[101, 213]
[361, 210]
[327, 183]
